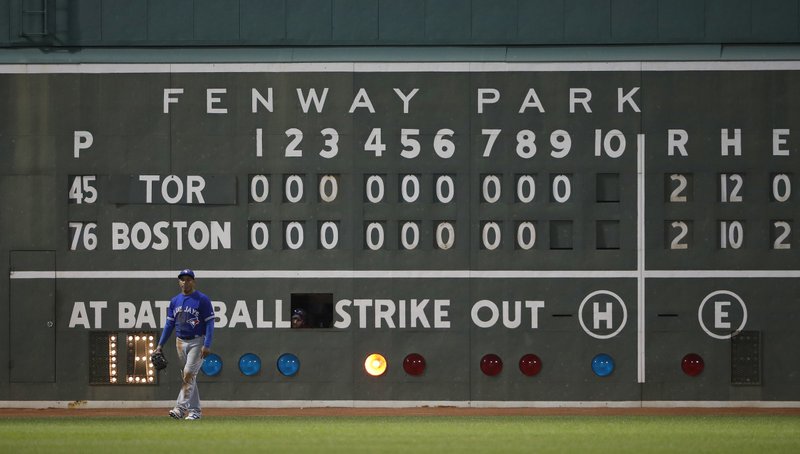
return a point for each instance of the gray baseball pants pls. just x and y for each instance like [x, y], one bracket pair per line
[189, 354]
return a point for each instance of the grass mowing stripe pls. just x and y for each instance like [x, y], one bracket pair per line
[439, 434]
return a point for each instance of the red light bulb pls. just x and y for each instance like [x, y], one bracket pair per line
[692, 364]
[414, 364]
[491, 364]
[530, 365]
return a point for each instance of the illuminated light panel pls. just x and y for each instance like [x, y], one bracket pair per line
[250, 364]
[288, 364]
[602, 365]
[375, 364]
[212, 365]
[530, 365]
[491, 364]
[140, 368]
[692, 364]
[112, 358]
[414, 364]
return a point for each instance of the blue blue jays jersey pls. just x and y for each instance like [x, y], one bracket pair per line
[190, 313]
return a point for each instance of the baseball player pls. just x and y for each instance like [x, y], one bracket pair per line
[191, 315]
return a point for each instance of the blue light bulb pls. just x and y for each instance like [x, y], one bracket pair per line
[602, 365]
[212, 365]
[250, 364]
[288, 364]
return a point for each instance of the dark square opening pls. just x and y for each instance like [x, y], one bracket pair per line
[560, 234]
[746, 358]
[312, 310]
[607, 233]
[607, 187]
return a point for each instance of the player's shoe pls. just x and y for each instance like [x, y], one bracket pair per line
[192, 416]
[177, 413]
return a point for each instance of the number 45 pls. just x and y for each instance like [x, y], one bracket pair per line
[82, 189]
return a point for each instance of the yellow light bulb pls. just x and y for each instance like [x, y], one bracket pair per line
[375, 364]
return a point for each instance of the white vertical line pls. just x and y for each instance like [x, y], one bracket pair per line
[640, 253]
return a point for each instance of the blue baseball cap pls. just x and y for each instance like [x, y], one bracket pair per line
[298, 312]
[186, 272]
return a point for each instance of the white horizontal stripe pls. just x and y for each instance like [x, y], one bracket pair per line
[411, 274]
[721, 66]
[404, 404]
[326, 274]
[706, 274]
[597, 66]
[359, 67]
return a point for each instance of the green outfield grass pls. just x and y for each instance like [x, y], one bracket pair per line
[635, 434]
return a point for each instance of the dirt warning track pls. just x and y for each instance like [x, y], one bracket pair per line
[420, 411]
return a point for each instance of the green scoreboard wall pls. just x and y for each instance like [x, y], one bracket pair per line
[90, 24]
[641, 211]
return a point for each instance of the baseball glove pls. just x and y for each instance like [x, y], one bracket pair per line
[159, 360]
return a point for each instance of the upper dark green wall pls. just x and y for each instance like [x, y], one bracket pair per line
[394, 22]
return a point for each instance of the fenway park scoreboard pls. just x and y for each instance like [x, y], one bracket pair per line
[494, 232]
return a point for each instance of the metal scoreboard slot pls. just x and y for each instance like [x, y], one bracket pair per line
[746, 358]
[528, 232]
